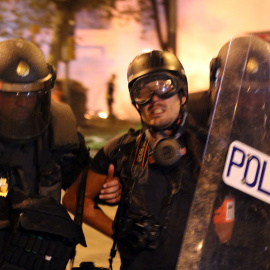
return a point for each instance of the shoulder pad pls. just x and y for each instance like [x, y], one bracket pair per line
[64, 126]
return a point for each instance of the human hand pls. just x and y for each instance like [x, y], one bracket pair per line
[112, 188]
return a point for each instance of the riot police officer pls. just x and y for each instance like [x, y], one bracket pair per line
[242, 70]
[40, 153]
[238, 233]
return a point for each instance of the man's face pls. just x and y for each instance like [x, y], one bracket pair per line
[161, 113]
[17, 107]
[157, 97]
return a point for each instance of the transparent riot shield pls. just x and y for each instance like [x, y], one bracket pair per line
[229, 222]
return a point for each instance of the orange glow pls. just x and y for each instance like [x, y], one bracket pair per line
[203, 28]
[103, 115]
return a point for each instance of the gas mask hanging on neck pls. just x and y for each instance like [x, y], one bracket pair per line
[166, 151]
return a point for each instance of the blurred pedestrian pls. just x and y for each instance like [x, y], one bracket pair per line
[110, 93]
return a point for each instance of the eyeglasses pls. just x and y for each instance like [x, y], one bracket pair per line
[164, 85]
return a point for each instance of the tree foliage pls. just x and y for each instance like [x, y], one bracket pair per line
[20, 16]
[17, 15]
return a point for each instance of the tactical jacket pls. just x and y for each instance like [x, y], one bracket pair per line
[155, 200]
[42, 166]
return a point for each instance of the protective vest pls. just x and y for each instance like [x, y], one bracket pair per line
[34, 167]
[43, 233]
[138, 228]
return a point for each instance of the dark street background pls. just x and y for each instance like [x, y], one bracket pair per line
[98, 131]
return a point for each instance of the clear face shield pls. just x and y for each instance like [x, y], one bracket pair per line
[246, 85]
[24, 109]
[234, 162]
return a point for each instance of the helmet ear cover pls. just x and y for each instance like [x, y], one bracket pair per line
[52, 71]
[215, 64]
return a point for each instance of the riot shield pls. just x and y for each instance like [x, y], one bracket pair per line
[229, 222]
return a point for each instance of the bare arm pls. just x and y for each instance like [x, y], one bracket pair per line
[106, 187]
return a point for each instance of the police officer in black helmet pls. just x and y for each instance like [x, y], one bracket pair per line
[237, 236]
[26, 80]
[40, 153]
[34, 155]
[157, 166]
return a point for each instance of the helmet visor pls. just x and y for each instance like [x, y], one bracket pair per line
[162, 84]
[24, 115]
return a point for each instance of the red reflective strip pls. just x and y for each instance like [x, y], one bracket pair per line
[145, 150]
[135, 157]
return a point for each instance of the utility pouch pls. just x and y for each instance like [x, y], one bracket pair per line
[45, 238]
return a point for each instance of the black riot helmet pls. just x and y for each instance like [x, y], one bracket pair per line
[25, 83]
[153, 65]
[160, 73]
[246, 59]
[240, 75]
